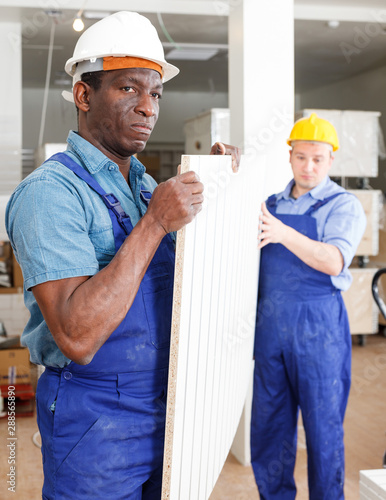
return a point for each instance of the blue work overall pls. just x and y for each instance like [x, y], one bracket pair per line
[103, 438]
[302, 360]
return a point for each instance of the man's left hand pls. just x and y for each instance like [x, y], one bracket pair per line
[272, 230]
[219, 148]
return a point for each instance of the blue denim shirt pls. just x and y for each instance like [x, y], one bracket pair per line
[60, 228]
[341, 222]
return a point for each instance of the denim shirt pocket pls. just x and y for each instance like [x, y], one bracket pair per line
[103, 242]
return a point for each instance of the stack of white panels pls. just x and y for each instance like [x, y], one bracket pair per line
[372, 484]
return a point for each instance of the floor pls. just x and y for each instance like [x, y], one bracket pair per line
[365, 438]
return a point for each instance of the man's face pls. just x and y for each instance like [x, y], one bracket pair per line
[124, 110]
[310, 164]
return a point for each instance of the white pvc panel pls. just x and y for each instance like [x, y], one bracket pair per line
[214, 311]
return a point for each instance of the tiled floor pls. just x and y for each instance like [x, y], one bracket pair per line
[365, 439]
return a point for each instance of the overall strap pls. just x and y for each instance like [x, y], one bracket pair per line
[116, 212]
[121, 222]
[320, 203]
[145, 195]
[271, 203]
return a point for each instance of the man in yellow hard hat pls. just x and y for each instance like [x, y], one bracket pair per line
[309, 235]
[92, 233]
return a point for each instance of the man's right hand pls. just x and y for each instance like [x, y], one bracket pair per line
[177, 201]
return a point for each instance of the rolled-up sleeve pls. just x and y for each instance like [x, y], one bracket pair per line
[345, 226]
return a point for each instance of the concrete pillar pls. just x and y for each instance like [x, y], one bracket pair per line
[10, 105]
[261, 101]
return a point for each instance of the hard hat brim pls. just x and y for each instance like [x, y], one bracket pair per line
[169, 70]
[334, 147]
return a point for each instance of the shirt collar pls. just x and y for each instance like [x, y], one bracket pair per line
[94, 160]
[317, 192]
[286, 194]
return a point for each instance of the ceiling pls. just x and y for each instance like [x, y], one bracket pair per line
[323, 54]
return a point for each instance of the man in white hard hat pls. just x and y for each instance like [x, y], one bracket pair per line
[92, 233]
[309, 235]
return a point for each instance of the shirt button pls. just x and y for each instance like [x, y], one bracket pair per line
[111, 167]
[67, 375]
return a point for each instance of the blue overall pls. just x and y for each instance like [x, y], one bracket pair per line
[302, 360]
[103, 437]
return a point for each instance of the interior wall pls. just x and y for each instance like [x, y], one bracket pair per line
[364, 92]
[10, 106]
[60, 117]
[175, 108]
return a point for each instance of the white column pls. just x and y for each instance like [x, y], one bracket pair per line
[261, 101]
[261, 82]
[10, 106]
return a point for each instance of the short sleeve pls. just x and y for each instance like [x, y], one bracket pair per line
[47, 227]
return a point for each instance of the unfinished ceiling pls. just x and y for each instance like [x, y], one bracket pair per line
[324, 52]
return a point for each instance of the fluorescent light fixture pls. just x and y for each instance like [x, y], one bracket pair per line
[191, 54]
[42, 47]
[61, 78]
[62, 82]
[88, 14]
[193, 51]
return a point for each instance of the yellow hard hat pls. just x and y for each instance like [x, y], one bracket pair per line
[315, 129]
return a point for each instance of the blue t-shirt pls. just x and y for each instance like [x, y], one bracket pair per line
[340, 222]
[60, 228]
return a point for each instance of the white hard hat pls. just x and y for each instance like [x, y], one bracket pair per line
[120, 35]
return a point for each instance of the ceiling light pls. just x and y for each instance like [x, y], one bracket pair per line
[333, 24]
[78, 24]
